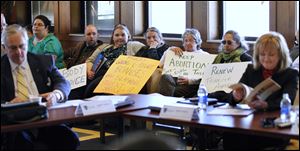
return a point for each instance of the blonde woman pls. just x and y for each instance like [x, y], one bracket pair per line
[270, 59]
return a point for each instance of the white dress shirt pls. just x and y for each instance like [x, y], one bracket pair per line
[32, 89]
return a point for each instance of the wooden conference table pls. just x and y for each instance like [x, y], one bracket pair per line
[67, 115]
[250, 124]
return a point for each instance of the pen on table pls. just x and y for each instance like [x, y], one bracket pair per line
[218, 105]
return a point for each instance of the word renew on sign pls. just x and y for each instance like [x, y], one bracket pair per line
[219, 77]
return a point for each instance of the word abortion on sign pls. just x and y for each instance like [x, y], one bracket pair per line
[219, 77]
[76, 75]
[190, 64]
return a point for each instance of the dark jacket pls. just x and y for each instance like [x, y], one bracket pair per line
[72, 55]
[43, 71]
[287, 79]
[153, 53]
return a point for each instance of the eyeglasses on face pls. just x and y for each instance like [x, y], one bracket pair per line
[229, 42]
[15, 48]
[38, 24]
[189, 41]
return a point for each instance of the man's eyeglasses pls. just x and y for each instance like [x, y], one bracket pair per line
[229, 42]
[15, 48]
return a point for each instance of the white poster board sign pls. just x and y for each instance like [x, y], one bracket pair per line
[190, 64]
[220, 76]
[76, 75]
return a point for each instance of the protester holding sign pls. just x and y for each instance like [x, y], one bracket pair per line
[120, 45]
[271, 59]
[127, 75]
[182, 86]
[233, 49]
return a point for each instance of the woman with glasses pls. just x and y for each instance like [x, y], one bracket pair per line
[44, 42]
[233, 49]
[182, 86]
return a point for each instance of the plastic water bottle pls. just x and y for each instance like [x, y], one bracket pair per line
[202, 96]
[285, 108]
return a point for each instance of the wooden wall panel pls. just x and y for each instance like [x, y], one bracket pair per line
[203, 16]
[127, 15]
[285, 20]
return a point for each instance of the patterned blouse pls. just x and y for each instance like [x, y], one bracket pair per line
[112, 54]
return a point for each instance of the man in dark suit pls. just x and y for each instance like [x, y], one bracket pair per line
[24, 74]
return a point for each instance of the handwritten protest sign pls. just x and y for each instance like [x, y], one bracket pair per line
[76, 75]
[190, 64]
[127, 75]
[220, 76]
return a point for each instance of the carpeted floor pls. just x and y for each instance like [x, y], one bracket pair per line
[89, 138]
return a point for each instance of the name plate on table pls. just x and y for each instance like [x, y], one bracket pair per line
[185, 113]
[95, 107]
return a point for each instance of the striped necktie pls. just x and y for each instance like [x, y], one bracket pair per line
[22, 89]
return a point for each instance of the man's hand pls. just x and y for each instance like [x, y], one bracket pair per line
[17, 100]
[183, 81]
[50, 97]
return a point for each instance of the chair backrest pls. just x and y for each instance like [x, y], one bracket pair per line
[153, 82]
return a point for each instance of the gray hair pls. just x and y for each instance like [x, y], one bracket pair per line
[195, 34]
[276, 40]
[237, 38]
[11, 30]
[154, 29]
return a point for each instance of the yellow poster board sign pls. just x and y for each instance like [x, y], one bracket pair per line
[127, 75]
